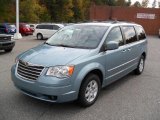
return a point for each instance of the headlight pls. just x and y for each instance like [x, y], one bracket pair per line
[60, 71]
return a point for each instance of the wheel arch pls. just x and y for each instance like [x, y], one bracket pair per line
[97, 72]
[92, 68]
[144, 54]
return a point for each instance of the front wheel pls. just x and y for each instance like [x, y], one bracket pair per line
[89, 90]
[140, 66]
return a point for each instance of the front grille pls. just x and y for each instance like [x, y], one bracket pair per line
[7, 38]
[29, 71]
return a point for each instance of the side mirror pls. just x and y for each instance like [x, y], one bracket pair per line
[112, 45]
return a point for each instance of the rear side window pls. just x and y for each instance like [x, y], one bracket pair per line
[130, 34]
[115, 35]
[140, 33]
[31, 25]
[49, 27]
[55, 27]
[40, 27]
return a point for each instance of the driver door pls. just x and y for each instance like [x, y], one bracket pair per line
[114, 59]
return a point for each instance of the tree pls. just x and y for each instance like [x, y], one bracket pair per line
[7, 11]
[154, 3]
[32, 11]
[137, 4]
[60, 10]
[79, 10]
[111, 2]
[145, 3]
[121, 3]
[128, 3]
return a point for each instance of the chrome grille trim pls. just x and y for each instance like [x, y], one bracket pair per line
[5, 38]
[29, 71]
[30, 67]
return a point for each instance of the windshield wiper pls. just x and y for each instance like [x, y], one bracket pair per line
[47, 43]
[62, 45]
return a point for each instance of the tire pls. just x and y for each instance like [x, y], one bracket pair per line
[140, 66]
[39, 36]
[89, 90]
[8, 50]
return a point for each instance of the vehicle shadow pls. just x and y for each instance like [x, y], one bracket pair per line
[2, 52]
[70, 108]
[115, 85]
[105, 90]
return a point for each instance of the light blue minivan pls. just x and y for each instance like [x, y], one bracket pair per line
[79, 60]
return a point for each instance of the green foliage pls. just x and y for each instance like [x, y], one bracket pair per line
[7, 10]
[145, 3]
[154, 3]
[137, 4]
[123, 3]
[60, 10]
[32, 11]
[55, 10]
[80, 10]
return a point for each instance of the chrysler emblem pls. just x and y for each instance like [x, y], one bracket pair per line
[26, 64]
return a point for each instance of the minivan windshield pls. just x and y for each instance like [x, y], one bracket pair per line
[78, 36]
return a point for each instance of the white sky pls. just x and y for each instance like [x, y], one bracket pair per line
[149, 4]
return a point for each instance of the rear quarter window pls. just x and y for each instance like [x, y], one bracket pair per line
[55, 27]
[140, 33]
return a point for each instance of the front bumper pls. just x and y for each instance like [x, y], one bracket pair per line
[44, 89]
[7, 45]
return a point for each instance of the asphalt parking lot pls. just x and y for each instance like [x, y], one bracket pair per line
[130, 98]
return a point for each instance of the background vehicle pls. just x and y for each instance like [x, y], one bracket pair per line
[44, 31]
[6, 42]
[79, 60]
[7, 28]
[25, 29]
[32, 27]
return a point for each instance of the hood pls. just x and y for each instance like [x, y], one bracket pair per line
[51, 55]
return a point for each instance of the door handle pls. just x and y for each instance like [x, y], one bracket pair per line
[124, 51]
[129, 49]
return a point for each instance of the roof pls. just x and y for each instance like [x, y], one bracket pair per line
[108, 23]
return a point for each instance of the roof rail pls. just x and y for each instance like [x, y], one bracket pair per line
[123, 21]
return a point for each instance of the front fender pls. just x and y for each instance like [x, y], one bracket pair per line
[84, 71]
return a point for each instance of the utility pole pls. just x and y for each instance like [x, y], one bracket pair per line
[17, 35]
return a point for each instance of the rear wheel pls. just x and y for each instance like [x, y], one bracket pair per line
[89, 90]
[39, 36]
[140, 66]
